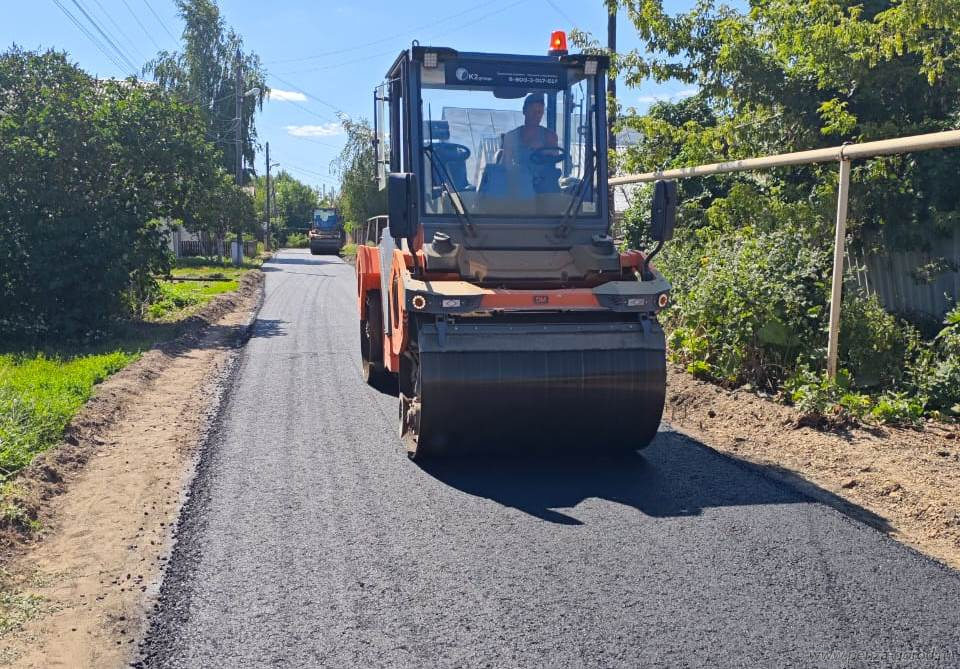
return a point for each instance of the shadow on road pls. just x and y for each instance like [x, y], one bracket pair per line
[674, 476]
[265, 328]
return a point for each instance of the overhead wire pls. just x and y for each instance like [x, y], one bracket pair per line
[378, 55]
[309, 95]
[323, 117]
[97, 43]
[560, 11]
[322, 177]
[317, 141]
[159, 20]
[433, 36]
[142, 27]
[107, 39]
[357, 47]
[120, 31]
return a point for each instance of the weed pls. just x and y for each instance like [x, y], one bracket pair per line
[179, 298]
[16, 608]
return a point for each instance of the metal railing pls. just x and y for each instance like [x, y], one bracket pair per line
[840, 154]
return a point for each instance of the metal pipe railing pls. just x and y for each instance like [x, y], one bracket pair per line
[935, 140]
[841, 154]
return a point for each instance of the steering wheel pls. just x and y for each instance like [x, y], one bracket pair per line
[447, 151]
[548, 155]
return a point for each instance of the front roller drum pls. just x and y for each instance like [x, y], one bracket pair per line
[599, 390]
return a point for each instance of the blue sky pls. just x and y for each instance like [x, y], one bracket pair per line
[320, 56]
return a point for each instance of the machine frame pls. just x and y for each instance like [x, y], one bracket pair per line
[440, 295]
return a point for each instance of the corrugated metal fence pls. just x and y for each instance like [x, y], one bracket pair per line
[909, 282]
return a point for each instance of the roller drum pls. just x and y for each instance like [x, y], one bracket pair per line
[540, 387]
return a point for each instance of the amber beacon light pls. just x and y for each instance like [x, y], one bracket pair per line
[558, 43]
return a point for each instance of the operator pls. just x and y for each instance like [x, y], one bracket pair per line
[520, 143]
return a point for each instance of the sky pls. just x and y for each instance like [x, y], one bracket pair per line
[320, 57]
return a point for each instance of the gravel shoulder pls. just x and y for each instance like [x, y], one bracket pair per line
[109, 495]
[901, 481]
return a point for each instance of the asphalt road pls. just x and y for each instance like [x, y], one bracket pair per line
[310, 540]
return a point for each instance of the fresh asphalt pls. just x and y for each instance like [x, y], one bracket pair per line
[310, 540]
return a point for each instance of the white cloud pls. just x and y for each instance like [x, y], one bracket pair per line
[676, 95]
[278, 95]
[324, 130]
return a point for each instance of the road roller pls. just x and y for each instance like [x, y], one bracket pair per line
[491, 293]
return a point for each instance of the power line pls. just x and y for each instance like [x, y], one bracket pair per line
[140, 23]
[97, 43]
[317, 141]
[434, 36]
[560, 12]
[96, 26]
[129, 42]
[310, 111]
[157, 16]
[340, 111]
[322, 177]
[382, 40]
[312, 97]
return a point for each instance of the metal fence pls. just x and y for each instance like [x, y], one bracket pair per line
[915, 283]
[191, 248]
[842, 155]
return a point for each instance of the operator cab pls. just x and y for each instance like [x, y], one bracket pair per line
[498, 144]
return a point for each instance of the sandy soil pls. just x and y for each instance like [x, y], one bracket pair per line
[109, 496]
[904, 482]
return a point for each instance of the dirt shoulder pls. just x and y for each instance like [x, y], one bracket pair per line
[108, 497]
[904, 482]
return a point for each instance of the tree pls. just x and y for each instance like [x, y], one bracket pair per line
[750, 261]
[360, 196]
[205, 74]
[292, 204]
[222, 208]
[89, 169]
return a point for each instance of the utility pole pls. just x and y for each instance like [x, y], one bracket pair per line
[612, 93]
[238, 144]
[266, 238]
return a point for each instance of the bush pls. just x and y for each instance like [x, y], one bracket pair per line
[87, 171]
[298, 240]
[873, 343]
[749, 301]
[899, 409]
[935, 370]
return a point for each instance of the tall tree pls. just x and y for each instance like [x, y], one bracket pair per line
[360, 196]
[205, 73]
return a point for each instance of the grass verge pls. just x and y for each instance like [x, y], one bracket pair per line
[39, 395]
[41, 389]
[180, 297]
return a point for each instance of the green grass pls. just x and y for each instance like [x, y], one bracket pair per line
[179, 299]
[39, 395]
[210, 269]
[43, 387]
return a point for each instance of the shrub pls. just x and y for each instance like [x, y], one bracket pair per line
[873, 343]
[88, 169]
[935, 370]
[298, 240]
[748, 301]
